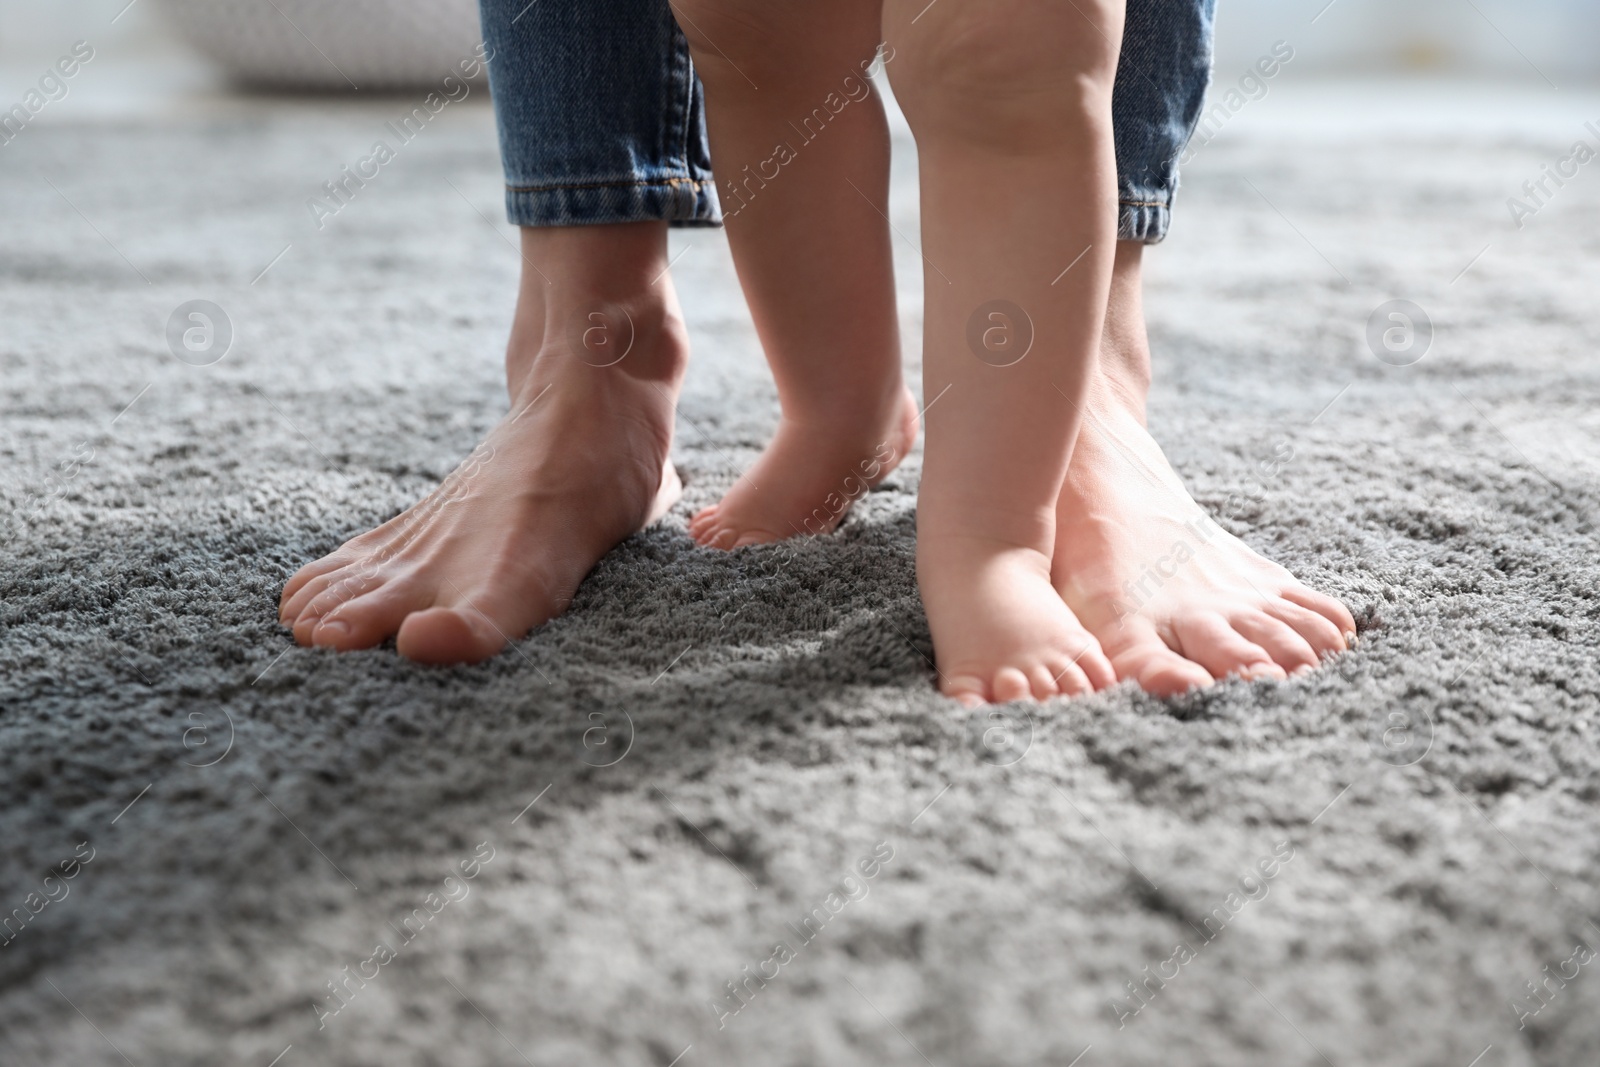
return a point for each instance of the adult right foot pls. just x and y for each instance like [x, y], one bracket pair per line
[577, 465]
[1176, 601]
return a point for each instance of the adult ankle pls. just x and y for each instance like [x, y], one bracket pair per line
[1125, 372]
[635, 341]
[598, 295]
[1124, 380]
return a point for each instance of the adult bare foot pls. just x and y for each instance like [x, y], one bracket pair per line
[1175, 600]
[812, 470]
[579, 463]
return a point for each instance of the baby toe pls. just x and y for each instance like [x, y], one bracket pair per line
[968, 689]
[1042, 682]
[1070, 680]
[1011, 683]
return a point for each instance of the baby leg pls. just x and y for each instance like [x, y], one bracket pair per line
[801, 152]
[1010, 102]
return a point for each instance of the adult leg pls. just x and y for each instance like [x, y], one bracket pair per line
[602, 144]
[1175, 600]
[1162, 75]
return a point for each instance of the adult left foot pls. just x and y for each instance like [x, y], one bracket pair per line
[1175, 600]
[577, 465]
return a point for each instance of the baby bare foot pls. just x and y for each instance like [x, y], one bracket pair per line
[1001, 630]
[578, 464]
[1175, 600]
[813, 253]
[809, 475]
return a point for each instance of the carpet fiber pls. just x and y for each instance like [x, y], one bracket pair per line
[733, 768]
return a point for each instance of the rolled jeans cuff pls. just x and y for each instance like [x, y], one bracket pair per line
[1144, 219]
[678, 201]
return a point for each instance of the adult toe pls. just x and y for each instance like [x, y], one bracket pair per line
[1221, 650]
[330, 596]
[443, 636]
[1323, 635]
[1286, 647]
[757, 537]
[1160, 671]
[369, 619]
[331, 588]
[1140, 655]
[719, 537]
[703, 520]
[304, 575]
[1326, 606]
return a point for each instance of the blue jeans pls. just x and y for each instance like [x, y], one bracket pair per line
[602, 118]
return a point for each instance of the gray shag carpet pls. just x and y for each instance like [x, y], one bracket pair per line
[717, 814]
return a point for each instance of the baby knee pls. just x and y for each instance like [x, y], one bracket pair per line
[1004, 68]
[744, 36]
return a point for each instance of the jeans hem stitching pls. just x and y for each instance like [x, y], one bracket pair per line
[674, 182]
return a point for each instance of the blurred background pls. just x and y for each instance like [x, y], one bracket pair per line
[1461, 38]
[149, 51]
[1467, 38]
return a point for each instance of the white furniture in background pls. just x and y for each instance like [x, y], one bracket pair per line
[330, 44]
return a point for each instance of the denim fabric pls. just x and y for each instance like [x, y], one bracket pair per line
[1162, 76]
[601, 116]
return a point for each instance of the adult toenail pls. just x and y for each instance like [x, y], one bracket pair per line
[332, 628]
[1350, 639]
[1302, 670]
[969, 700]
